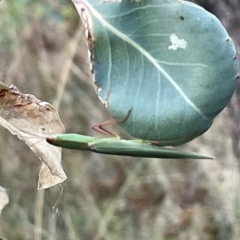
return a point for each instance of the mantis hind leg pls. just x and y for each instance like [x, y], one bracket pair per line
[101, 127]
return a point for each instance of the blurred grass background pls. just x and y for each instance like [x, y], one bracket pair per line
[43, 51]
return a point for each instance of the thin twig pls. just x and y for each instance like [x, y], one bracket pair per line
[38, 215]
[67, 66]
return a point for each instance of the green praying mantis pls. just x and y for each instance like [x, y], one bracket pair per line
[117, 146]
[114, 145]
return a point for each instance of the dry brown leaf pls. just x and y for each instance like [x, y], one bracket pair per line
[4, 199]
[31, 120]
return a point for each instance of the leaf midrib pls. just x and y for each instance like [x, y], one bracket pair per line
[151, 59]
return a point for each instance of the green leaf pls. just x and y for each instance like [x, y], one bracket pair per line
[171, 62]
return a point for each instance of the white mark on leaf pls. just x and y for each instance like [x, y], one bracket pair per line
[177, 43]
[112, 1]
[181, 1]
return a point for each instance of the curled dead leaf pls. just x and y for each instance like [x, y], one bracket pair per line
[32, 120]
